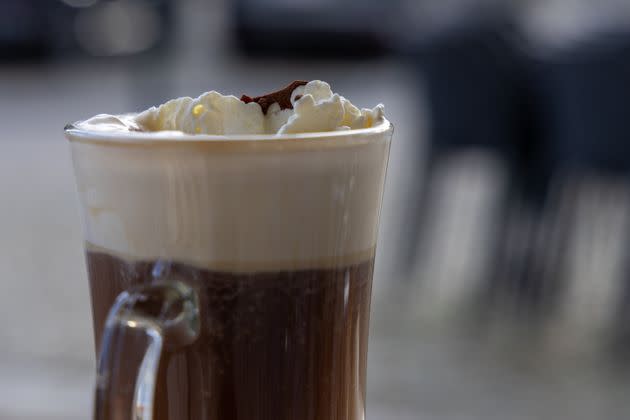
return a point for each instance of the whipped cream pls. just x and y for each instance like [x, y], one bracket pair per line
[315, 109]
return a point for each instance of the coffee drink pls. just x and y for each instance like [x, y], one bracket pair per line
[278, 345]
[276, 236]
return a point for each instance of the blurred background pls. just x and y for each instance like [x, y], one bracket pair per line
[501, 287]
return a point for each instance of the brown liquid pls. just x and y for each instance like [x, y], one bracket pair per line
[274, 346]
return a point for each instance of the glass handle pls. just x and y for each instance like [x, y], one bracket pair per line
[143, 322]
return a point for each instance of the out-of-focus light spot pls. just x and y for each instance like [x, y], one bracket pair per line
[119, 27]
[80, 3]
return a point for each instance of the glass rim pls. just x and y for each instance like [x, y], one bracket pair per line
[76, 134]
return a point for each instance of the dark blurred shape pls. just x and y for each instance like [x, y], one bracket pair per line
[22, 29]
[353, 28]
[479, 98]
[80, 3]
[587, 90]
[33, 29]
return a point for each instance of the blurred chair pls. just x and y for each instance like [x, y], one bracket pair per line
[477, 83]
[586, 89]
[525, 211]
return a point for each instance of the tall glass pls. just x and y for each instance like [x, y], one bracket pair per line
[231, 276]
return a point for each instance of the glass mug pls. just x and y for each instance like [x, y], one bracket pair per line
[230, 276]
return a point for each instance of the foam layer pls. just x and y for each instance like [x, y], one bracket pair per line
[234, 204]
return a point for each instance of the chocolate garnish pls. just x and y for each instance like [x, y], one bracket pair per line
[282, 97]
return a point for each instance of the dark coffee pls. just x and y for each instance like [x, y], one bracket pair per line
[288, 345]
